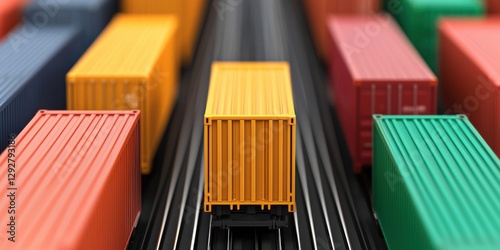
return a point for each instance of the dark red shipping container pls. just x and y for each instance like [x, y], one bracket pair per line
[470, 73]
[375, 70]
[493, 6]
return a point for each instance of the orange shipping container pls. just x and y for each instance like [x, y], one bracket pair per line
[189, 13]
[130, 66]
[249, 136]
[73, 181]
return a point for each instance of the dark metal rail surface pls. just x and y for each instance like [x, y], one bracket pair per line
[333, 205]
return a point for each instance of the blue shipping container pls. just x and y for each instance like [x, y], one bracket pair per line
[33, 68]
[91, 16]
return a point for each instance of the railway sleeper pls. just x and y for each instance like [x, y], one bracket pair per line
[250, 216]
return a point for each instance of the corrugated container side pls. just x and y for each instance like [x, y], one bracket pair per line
[473, 89]
[119, 204]
[10, 15]
[343, 94]
[81, 173]
[189, 12]
[250, 142]
[91, 16]
[32, 75]
[388, 178]
[249, 162]
[369, 80]
[121, 83]
[434, 184]
[419, 19]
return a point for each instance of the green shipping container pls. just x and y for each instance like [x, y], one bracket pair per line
[436, 184]
[419, 20]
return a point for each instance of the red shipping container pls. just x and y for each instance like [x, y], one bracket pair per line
[493, 6]
[375, 70]
[319, 10]
[72, 181]
[10, 15]
[470, 73]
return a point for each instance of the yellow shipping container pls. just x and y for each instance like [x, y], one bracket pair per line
[130, 66]
[249, 136]
[190, 13]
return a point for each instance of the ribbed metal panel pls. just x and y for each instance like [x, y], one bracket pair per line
[375, 70]
[132, 65]
[249, 136]
[436, 184]
[470, 78]
[478, 39]
[235, 88]
[32, 74]
[374, 37]
[91, 16]
[77, 181]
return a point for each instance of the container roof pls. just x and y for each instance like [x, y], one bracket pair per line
[143, 37]
[479, 39]
[375, 48]
[452, 176]
[258, 89]
[23, 56]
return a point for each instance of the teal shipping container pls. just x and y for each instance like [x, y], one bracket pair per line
[436, 184]
[419, 20]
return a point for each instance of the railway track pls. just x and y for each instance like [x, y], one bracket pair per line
[333, 211]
